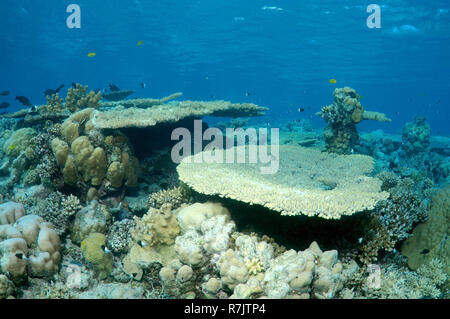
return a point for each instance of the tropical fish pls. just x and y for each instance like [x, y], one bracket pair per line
[50, 92]
[301, 109]
[425, 251]
[332, 81]
[140, 43]
[91, 54]
[4, 105]
[24, 100]
[4, 93]
[114, 88]
[143, 85]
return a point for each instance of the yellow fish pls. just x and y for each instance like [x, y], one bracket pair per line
[332, 81]
[140, 42]
[92, 54]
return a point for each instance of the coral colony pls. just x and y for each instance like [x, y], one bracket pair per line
[94, 204]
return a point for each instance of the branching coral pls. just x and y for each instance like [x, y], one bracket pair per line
[77, 98]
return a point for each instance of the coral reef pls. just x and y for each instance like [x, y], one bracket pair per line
[342, 116]
[308, 182]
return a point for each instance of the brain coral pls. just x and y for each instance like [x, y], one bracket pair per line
[308, 182]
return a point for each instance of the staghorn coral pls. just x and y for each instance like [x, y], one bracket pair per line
[121, 117]
[308, 182]
[342, 116]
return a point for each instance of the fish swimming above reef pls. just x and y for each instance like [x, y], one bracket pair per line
[114, 88]
[50, 92]
[4, 105]
[4, 93]
[24, 100]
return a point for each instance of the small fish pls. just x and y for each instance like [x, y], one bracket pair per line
[397, 113]
[301, 109]
[24, 100]
[247, 94]
[333, 81]
[4, 93]
[143, 85]
[140, 43]
[114, 88]
[50, 92]
[91, 54]
[74, 85]
[425, 251]
[4, 105]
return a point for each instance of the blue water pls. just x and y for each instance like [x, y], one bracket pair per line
[212, 49]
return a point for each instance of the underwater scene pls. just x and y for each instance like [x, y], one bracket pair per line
[194, 149]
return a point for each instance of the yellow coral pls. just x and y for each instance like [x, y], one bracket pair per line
[93, 249]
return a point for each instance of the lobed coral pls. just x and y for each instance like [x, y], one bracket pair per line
[28, 245]
[86, 156]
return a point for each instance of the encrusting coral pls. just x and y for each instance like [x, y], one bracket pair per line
[308, 182]
[342, 116]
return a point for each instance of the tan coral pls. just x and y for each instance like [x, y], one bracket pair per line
[157, 227]
[308, 182]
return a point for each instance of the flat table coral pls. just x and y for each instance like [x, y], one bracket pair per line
[308, 182]
[122, 117]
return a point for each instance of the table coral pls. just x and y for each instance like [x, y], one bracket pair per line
[121, 117]
[308, 182]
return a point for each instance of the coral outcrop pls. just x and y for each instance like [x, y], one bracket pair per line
[308, 182]
[342, 116]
